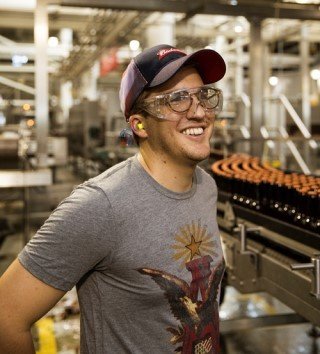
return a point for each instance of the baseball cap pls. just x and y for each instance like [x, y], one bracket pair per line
[156, 65]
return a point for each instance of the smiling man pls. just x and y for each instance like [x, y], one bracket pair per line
[140, 241]
[175, 140]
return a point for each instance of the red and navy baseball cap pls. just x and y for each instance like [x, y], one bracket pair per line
[156, 65]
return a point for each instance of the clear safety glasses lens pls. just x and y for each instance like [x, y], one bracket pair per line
[209, 98]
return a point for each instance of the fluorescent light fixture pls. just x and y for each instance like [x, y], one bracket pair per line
[315, 74]
[2, 118]
[238, 28]
[19, 60]
[273, 80]
[304, 2]
[134, 45]
[53, 41]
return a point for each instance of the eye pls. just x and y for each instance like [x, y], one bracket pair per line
[178, 96]
[210, 96]
[179, 100]
[207, 92]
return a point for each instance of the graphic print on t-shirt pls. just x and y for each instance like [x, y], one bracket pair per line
[194, 305]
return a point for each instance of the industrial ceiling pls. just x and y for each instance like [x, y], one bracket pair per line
[99, 25]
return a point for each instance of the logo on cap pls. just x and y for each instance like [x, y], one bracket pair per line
[164, 52]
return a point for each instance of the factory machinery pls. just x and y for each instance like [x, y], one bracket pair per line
[20, 176]
[270, 229]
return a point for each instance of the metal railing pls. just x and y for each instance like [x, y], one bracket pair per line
[271, 135]
[283, 133]
[297, 120]
[265, 132]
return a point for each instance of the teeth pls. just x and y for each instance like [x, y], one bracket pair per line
[193, 131]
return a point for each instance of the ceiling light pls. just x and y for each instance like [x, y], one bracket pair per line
[30, 123]
[315, 74]
[53, 41]
[238, 28]
[273, 80]
[2, 118]
[19, 60]
[134, 45]
[304, 2]
[26, 107]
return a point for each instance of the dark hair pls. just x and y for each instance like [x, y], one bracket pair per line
[136, 109]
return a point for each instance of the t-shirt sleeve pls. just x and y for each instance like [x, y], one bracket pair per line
[73, 240]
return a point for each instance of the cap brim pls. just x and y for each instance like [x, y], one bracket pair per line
[209, 63]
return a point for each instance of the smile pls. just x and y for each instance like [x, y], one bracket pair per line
[193, 131]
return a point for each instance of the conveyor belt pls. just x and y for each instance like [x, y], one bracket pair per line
[289, 230]
[266, 254]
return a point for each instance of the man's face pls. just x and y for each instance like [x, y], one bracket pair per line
[184, 137]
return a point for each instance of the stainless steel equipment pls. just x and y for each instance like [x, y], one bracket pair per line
[85, 129]
[264, 253]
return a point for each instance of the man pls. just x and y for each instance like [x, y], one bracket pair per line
[140, 241]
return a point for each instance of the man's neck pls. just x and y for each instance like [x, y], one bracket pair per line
[174, 176]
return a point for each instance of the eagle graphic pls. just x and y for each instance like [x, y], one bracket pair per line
[199, 318]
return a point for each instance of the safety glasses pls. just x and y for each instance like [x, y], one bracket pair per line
[209, 97]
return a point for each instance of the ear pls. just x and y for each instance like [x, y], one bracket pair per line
[137, 124]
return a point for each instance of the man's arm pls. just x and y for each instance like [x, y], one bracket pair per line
[23, 300]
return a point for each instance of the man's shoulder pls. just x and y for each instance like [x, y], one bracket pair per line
[118, 175]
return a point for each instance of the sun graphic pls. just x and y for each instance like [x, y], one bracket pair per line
[191, 241]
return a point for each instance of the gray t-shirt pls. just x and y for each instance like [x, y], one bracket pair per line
[147, 262]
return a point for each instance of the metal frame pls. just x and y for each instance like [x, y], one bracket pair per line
[254, 265]
[266, 9]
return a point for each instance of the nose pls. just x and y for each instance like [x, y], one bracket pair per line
[196, 110]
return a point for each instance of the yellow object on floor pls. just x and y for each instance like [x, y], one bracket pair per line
[47, 341]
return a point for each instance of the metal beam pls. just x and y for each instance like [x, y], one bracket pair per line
[15, 178]
[17, 85]
[256, 84]
[149, 5]
[17, 102]
[6, 41]
[18, 19]
[6, 68]
[58, 52]
[243, 324]
[41, 34]
[249, 8]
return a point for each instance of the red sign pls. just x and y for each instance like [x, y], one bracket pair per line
[109, 62]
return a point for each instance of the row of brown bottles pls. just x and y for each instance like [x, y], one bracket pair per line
[290, 197]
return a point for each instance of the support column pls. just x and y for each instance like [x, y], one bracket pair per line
[41, 80]
[256, 83]
[238, 79]
[89, 82]
[305, 86]
[267, 72]
[219, 44]
[305, 76]
[162, 31]
[66, 98]
[66, 37]
[241, 105]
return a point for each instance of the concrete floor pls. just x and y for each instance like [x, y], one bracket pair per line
[276, 339]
